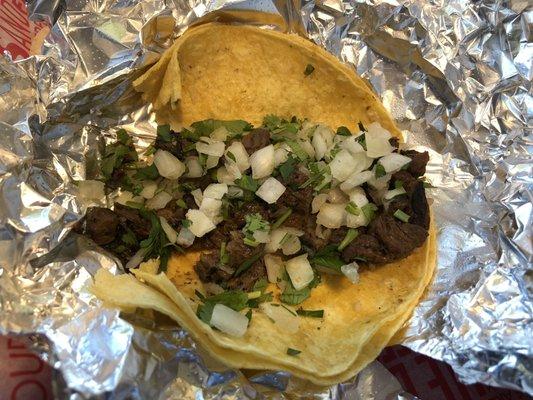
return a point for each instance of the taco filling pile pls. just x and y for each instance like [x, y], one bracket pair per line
[300, 243]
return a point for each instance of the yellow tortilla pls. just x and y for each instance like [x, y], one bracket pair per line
[240, 72]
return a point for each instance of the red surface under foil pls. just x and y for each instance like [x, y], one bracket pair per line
[23, 376]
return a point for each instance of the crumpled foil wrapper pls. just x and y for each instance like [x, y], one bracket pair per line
[456, 76]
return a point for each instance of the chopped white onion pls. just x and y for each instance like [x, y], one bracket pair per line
[336, 196]
[211, 162]
[209, 146]
[149, 189]
[381, 183]
[308, 148]
[194, 168]
[271, 190]
[332, 215]
[235, 192]
[233, 170]
[261, 236]
[318, 201]
[390, 194]
[137, 258]
[224, 176]
[377, 141]
[320, 145]
[91, 190]
[361, 162]
[220, 133]
[200, 223]
[352, 145]
[241, 155]
[351, 271]
[281, 155]
[185, 237]
[356, 179]
[299, 271]
[216, 190]
[274, 266]
[277, 236]
[160, 200]
[342, 166]
[198, 196]
[125, 197]
[291, 245]
[229, 321]
[212, 208]
[355, 221]
[168, 165]
[285, 319]
[357, 195]
[262, 162]
[393, 162]
[172, 235]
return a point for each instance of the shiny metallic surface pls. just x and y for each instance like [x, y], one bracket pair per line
[456, 76]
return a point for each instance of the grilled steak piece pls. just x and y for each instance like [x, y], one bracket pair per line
[365, 247]
[255, 140]
[248, 278]
[208, 270]
[101, 225]
[131, 218]
[417, 167]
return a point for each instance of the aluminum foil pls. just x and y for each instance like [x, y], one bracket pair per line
[456, 75]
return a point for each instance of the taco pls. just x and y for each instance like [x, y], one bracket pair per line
[275, 216]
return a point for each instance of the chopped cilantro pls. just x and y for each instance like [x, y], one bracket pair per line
[380, 171]
[352, 208]
[248, 183]
[247, 264]
[362, 141]
[118, 153]
[287, 168]
[190, 135]
[147, 173]
[206, 127]
[181, 203]
[235, 299]
[398, 184]
[271, 121]
[260, 285]
[292, 296]
[133, 204]
[163, 133]
[349, 238]
[249, 315]
[186, 223]
[328, 257]
[255, 222]
[401, 216]
[361, 126]
[149, 150]
[318, 174]
[155, 244]
[123, 137]
[250, 241]
[297, 149]
[343, 131]
[369, 210]
[224, 256]
[129, 238]
[265, 297]
[310, 313]
[293, 352]
[282, 218]
[309, 69]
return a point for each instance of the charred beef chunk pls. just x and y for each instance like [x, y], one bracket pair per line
[417, 167]
[414, 202]
[337, 235]
[398, 238]
[297, 199]
[295, 220]
[255, 140]
[132, 219]
[221, 234]
[394, 142]
[172, 213]
[207, 268]
[247, 280]
[101, 225]
[249, 208]
[307, 224]
[365, 247]
[199, 183]
[237, 250]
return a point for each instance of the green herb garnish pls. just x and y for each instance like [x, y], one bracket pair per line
[287, 168]
[129, 238]
[246, 265]
[297, 149]
[380, 171]
[369, 211]
[328, 257]
[224, 255]
[206, 127]
[282, 218]
[310, 313]
[308, 69]
[401, 216]
[343, 131]
[293, 352]
[352, 208]
[147, 173]
[235, 299]
[163, 133]
[398, 184]
[186, 223]
[181, 203]
[231, 156]
[246, 182]
[349, 238]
